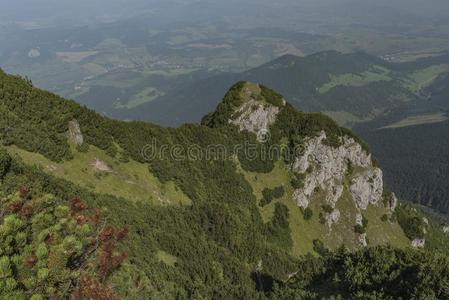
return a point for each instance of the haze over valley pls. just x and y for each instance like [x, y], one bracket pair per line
[211, 149]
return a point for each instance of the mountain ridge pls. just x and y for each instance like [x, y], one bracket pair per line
[94, 127]
[240, 217]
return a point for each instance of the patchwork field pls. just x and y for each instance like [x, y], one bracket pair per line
[75, 57]
[423, 78]
[419, 120]
[147, 95]
[376, 73]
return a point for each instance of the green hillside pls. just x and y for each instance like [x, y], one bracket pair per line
[224, 227]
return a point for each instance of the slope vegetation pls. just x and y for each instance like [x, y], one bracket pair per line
[231, 231]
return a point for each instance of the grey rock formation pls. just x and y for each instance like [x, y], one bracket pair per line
[367, 188]
[362, 240]
[333, 218]
[418, 243]
[75, 135]
[359, 219]
[333, 193]
[101, 166]
[328, 167]
[446, 229]
[392, 202]
[362, 237]
[255, 116]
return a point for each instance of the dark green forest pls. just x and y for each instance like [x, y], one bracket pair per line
[206, 268]
[416, 161]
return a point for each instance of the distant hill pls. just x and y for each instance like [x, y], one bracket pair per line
[411, 146]
[351, 88]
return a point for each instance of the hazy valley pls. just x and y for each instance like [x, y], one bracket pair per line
[224, 150]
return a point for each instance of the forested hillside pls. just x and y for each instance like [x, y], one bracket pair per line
[231, 227]
[415, 160]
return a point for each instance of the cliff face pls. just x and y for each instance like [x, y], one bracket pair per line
[321, 166]
[326, 167]
[332, 170]
[328, 174]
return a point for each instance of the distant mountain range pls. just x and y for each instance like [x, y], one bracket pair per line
[357, 90]
[352, 88]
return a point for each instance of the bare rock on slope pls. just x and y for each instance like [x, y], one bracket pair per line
[367, 188]
[74, 133]
[255, 116]
[418, 243]
[326, 167]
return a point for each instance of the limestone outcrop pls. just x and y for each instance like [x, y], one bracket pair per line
[418, 243]
[392, 202]
[333, 218]
[74, 133]
[446, 229]
[325, 168]
[362, 240]
[255, 116]
[367, 188]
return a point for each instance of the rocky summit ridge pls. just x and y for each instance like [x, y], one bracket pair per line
[328, 173]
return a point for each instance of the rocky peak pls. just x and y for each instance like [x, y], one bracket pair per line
[253, 116]
[258, 109]
[249, 106]
[333, 170]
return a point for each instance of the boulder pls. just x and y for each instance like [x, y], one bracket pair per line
[333, 218]
[418, 243]
[74, 133]
[362, 240]
[367, 188]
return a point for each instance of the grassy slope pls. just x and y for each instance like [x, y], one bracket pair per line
[305, 232]
[380, 232]
[375, 73]
[131, 180]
